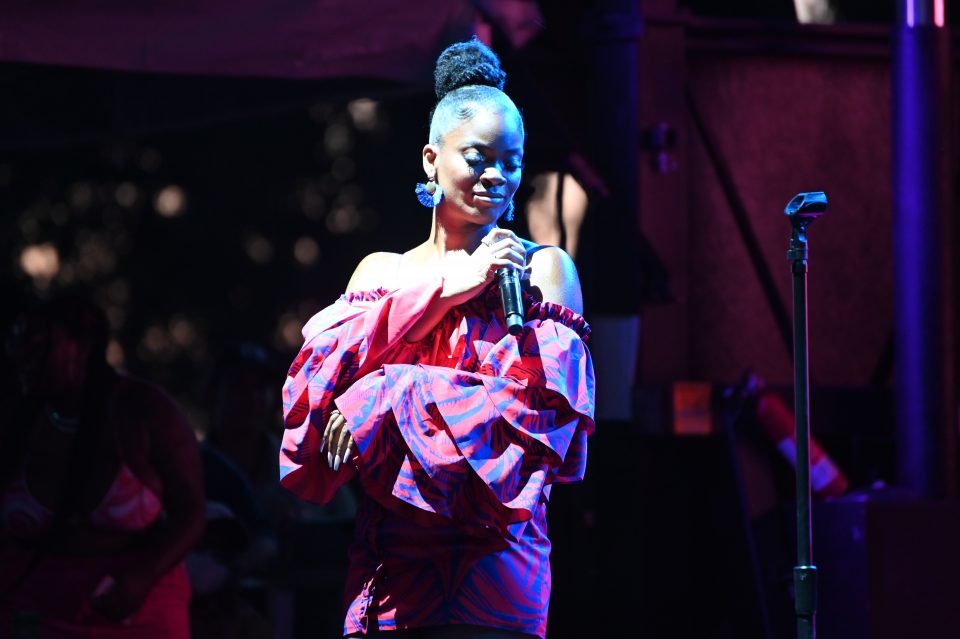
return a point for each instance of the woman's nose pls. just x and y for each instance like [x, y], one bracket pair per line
[493, 176]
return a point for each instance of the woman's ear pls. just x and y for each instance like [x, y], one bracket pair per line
[429, 160]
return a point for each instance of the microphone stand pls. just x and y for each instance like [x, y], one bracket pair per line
[802, 211]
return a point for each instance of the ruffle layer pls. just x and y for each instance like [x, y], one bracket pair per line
[474, 431]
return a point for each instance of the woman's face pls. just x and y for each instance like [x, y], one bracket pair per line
[478, 164]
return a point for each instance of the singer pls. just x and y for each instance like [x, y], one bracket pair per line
[457, 427]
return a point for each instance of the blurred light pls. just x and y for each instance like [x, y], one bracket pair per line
[182, 331]
[155, 339]
[95, 254]
[149, 160]
[312, 201]
[115, 354]
[126, 194]
[343, 219]
[40, 261]
[938, 17]
[258, 249]
[170, 201]
[306, 251]
[363, 112]
[336, 139]
[815, 11]
[81, 195]
[157, 345]
[288, 331]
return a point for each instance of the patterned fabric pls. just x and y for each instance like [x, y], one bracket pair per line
[459, 438]
[129, 505]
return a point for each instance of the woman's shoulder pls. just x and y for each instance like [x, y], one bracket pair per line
[377, 270]
[553, 276]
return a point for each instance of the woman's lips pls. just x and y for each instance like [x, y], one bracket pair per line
[488, 197]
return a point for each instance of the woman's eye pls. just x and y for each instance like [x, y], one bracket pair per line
[480, 161]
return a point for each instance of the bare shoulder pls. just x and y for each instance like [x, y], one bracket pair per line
[374, 271]
[553, 277]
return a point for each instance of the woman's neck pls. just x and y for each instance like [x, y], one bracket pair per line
[446, 237]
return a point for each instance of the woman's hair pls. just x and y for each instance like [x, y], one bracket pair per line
[467, 76]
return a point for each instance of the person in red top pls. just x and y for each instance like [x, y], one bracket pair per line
[101, 493]
[457, 428]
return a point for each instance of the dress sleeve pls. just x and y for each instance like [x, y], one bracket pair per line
[478, 447]
[342, 343]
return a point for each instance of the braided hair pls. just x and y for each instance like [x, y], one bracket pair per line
[467, 77]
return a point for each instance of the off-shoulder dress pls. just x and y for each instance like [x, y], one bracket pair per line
[459, 438]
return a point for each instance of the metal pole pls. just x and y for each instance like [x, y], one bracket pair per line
[922, 238]
[802, 211]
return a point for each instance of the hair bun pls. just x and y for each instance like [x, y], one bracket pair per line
[467, 63]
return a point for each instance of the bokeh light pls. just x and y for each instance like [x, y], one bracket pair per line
[306, 251]
[170, 201]
[41, 262]
[337, 139]
[126, 194]
[258, 248]
[364, 114]
[115, 354]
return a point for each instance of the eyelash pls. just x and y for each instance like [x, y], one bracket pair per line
[474, 162]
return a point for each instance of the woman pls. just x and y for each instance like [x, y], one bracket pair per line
[457, 428]
[101, 493]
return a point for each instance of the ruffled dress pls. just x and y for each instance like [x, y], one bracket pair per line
[459, 438]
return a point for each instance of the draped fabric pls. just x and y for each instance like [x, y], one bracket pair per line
[459, 438]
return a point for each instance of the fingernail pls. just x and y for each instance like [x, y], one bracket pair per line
[330, 459]
[336, 463]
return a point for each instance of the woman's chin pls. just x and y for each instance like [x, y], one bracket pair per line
[484, 207]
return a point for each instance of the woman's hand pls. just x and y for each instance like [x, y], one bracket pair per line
[337, 441]
[466, 275]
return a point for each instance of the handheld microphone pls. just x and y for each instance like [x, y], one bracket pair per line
[508, 279]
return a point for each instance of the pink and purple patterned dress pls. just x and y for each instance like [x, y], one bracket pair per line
[460, 437]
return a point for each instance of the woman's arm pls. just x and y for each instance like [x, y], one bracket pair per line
[175, 458]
